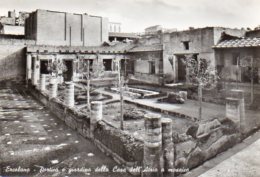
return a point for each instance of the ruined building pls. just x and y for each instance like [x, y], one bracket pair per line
[12, 24]
[158, 54]
[155, 57]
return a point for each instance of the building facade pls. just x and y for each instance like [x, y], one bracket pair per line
[195, 42]
[114, 27]
[238, 60]
[164, 51]
[66, 29]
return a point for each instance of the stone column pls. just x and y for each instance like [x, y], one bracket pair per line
[43, 82]
[152, 161]
[96, 115]
[53, 88]
[167, 144]
[69, 96]
[239, 94]
[28, 67]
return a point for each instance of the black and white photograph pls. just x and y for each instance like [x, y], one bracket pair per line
[129, 88]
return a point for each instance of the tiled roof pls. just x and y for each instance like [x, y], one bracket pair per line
[109, 48]
[117, 48]
[147, 48]
[237, 43]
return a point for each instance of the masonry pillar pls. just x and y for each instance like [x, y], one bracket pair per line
[239, 94]
[28, 67]
[152, 161]
[167, 144]
[74, 69]
[53, 88]
[233, 109]
[36, 70]
[43, 82]
[69, 96]
[96, 115]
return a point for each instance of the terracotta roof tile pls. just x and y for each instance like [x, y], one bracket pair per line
[237, 43]
[147, 48]
[126, 35]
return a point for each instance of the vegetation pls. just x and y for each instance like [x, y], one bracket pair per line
[202, 74]
[90, 72]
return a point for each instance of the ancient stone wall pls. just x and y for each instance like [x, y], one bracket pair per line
[12, 58]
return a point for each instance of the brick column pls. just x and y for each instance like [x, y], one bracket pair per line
[43, 82]
[152, 160]
[69, 96]
[96, 115]
[53, 88]
[167, 144]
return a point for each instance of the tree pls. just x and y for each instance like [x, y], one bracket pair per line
[57, 67]
[202, 74]
[121, 83]
[224, 75]
[96, 72]
[250, 62]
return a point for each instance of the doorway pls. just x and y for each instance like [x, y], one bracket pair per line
[69, 72]
[44, 67]
[181, 68]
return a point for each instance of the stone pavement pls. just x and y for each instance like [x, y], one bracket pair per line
[31, 138]
[190, 107]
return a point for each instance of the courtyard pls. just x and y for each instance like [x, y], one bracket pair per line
[33, 139]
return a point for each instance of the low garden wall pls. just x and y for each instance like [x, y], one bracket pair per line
[198, 144]
[124, 148]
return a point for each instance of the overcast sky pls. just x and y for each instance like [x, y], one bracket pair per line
[135, 15]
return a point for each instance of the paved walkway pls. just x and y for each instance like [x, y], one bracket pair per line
[243, 160]
[245, 163]
[31, 138]
[190, 107]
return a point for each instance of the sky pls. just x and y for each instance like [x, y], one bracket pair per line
[136, 15]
